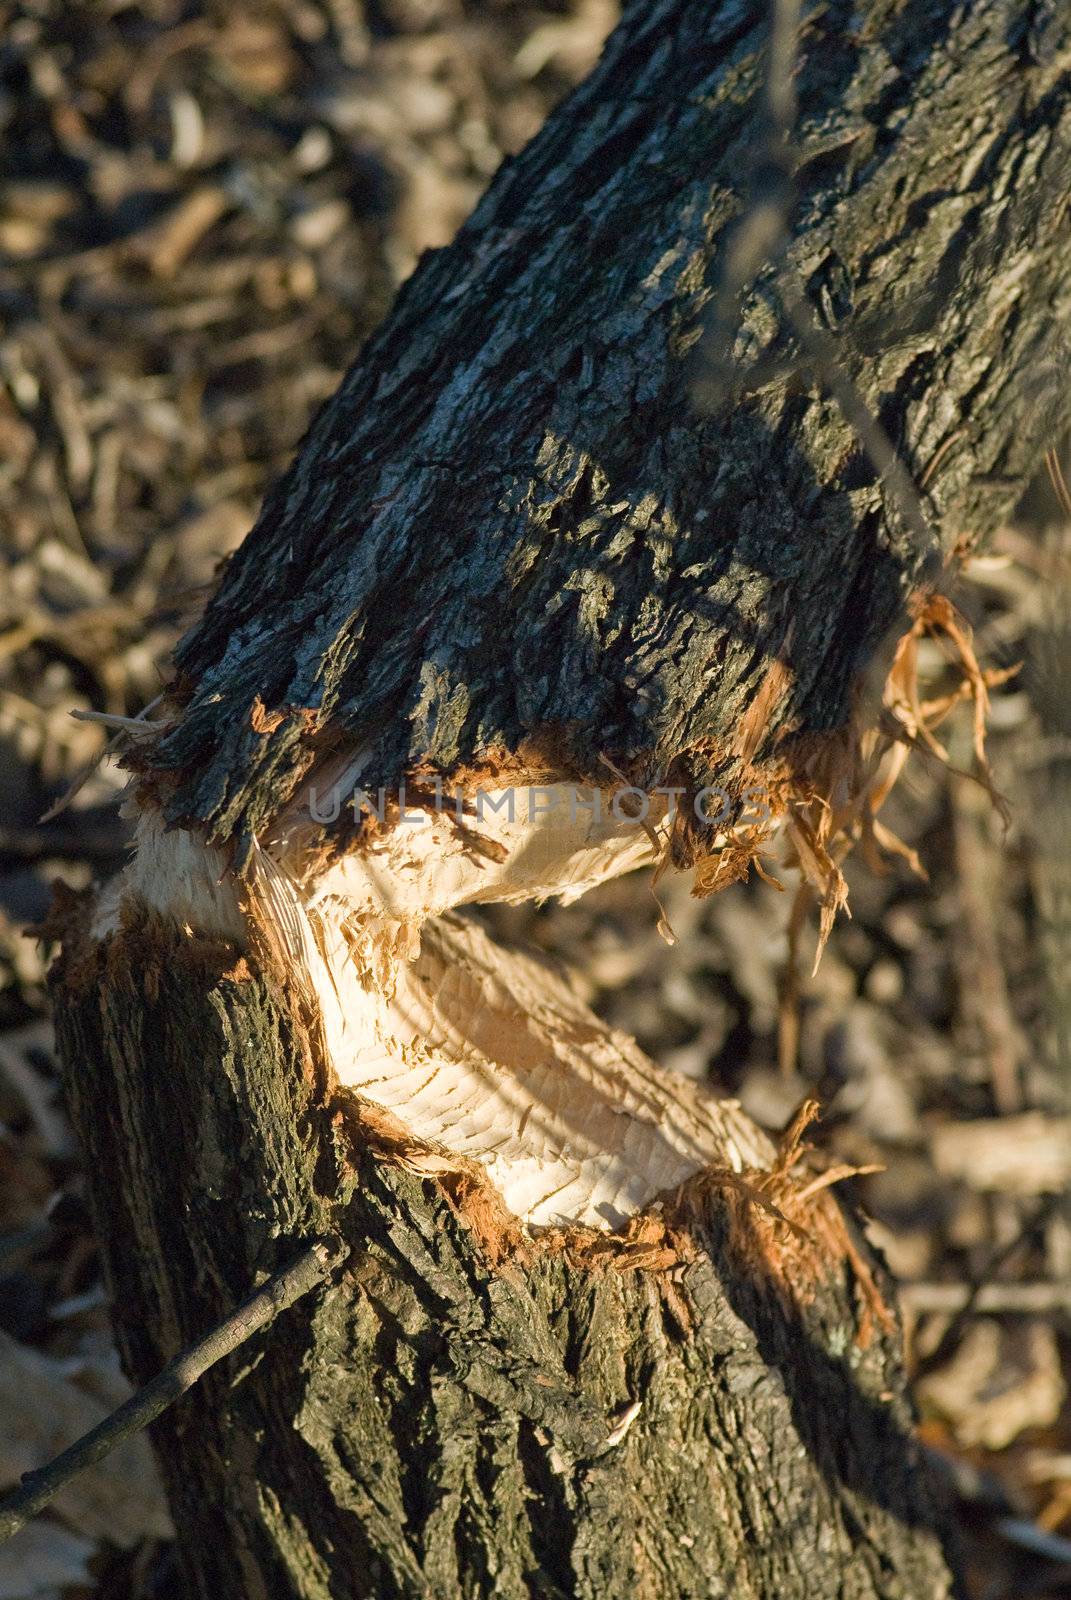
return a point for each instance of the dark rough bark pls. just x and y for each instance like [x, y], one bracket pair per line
[515, 534]
[516, 520]
[431, 1426]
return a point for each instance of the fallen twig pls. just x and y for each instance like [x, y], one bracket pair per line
[37, 1488]
[1034, 1298]
[981, 1296]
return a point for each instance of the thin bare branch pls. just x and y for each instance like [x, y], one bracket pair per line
[822, 354]
[37, 1488]
[965, 1300]
[781, 71]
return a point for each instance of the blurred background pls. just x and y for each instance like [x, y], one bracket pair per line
[204, 210]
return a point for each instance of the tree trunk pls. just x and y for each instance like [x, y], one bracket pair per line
[704, 1406]
[529, 524]
[595, 1336]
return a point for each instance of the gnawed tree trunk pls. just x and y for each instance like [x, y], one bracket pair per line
[594, 1336]
[704, 1406]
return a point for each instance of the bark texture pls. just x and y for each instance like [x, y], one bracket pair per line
[530, 530]
[524, 524]
[663, 1419]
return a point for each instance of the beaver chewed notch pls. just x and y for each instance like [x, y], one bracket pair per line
[480, 1053]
